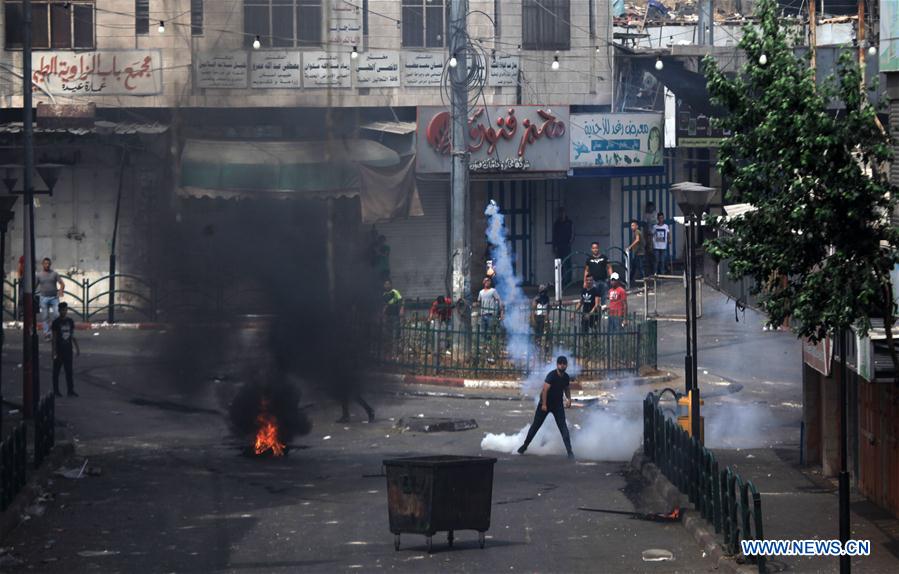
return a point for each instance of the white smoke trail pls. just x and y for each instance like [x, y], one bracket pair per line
[516, 318]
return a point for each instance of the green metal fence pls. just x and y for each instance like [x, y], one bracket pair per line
[474, 348]
[722, 497]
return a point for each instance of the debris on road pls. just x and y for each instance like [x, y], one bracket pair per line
[436, 424]
[657, 555]
[673, 516]
[96, 553]
[73, 473]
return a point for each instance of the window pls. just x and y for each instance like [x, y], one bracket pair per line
[545, 24]
[141, 17]
[283, 23]
[54, 25]
[425, 23]
[196, 17]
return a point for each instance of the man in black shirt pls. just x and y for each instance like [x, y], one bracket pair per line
[556, 384]
[63, 331]
[590, 305]
[599, 268]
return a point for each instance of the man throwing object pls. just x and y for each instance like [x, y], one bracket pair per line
[556, 384]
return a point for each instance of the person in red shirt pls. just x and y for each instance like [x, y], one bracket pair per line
[617, 306]
[441, 310]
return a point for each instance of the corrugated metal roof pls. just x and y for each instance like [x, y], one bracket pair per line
[397, 127]
[100, 127]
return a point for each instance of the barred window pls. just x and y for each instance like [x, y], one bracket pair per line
[283, 23]
[545, 24]
[425, 23]
[196, 17]
[54, 25]
[141, 17]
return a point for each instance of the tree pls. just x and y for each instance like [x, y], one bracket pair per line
[822, 203]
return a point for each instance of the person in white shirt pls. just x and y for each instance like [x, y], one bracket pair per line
[661, 240]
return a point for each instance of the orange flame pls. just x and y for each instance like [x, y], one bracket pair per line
[267, 436]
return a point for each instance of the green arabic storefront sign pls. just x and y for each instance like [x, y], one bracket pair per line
[616, 140]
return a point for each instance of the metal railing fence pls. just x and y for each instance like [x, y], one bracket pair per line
[722, 497]
[478, 348]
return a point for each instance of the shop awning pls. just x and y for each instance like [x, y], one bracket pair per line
[246, 169]
[229, 169]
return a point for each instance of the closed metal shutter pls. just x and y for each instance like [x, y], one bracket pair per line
[418, 245]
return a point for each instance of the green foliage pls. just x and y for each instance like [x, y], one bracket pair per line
[820, 220]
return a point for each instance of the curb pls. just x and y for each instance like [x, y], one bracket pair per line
[12, 516]
[702, 532]
[104, 326]
[459, 382]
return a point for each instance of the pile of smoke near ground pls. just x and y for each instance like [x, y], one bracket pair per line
[738, 425]
[280, 251]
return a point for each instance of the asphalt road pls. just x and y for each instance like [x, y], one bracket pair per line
[175, 494]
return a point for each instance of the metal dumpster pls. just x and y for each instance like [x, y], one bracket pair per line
[430, 494]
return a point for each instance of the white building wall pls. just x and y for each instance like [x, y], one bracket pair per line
[584, 76]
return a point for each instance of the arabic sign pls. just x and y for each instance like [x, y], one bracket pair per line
[500, 139]
[344, 24]
[503, 70]
[275, 69]
[422, 69]
[107, 72]
[324, 70]
[818, 356]
[222, 70]
[617, 140]
[379, 69]
[695, 130]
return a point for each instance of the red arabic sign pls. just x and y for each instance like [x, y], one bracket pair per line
[520, 138]
[126, 72]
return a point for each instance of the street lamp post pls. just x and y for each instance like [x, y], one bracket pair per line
[693, 199]
[49, 172]
[6, 215]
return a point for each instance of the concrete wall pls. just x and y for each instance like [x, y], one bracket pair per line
[584, 76]
[74, 226]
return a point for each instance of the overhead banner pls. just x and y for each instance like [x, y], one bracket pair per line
[500, 139]
[106, 72]
[617, 140]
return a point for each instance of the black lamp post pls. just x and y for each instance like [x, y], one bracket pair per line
[49, 172]
[692, 198]
[6, 214]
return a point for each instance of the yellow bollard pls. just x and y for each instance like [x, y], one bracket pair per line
[686, 421]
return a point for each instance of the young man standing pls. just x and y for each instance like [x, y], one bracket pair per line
[490, 306]
[556, 384]
[617, 305]
[590, 301]
[661, 241]
[47, 282]
[392, 312]
[63, 329]
[636, 249]
[541, 311]
[599, 268]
